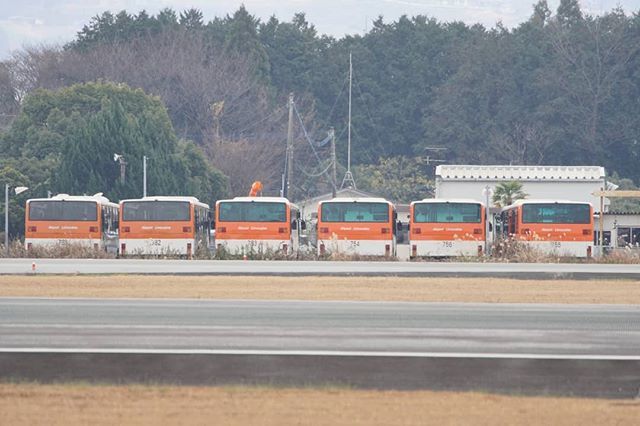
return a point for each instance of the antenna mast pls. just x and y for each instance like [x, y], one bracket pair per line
[348, 180]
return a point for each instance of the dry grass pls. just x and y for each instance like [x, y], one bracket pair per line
[28, 404]
[325, 288]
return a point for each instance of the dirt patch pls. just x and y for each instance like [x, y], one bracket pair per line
[28, 404]
[325, 288]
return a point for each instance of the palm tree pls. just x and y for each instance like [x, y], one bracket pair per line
[508, 192]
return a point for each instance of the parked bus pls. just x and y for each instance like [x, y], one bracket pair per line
[558, 227]
[364, 226]
[90, 221]
[163, 225]
[446, 228]
[258, 224]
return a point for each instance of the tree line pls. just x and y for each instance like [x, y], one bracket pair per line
[560, 88]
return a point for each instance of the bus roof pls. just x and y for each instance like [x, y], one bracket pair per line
[543, 201]
[192, 200]
[447, 200]
[357, 200]
[98, 198]
[260, 200]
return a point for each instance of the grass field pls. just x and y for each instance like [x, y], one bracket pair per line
[325, 288]
[28, 404]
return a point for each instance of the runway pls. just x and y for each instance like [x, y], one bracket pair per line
[579, 350]
[319, 268]
[410, 329]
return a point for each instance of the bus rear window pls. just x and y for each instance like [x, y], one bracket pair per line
[446, 213]
[156, 211]
[82, 211]
[556, 213]
[237, 211]
[355, 212]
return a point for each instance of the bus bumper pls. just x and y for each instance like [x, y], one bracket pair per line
[562, 248]
[357, 247]
[156, 246]
[255, 246]
[446, 248]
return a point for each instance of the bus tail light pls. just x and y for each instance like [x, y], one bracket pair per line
[387, 250]
[123, 248]
[589, 251]
[414, 250]
[126, 229]
[416, 230]
[586, 232]
[526, 231]
[222, 229]
[385, 230]
[32, 229]
[186, 229]
[477, 231]
[189, 250]
[282, 230]
[322, 249]
[324, 230]
[93, 229]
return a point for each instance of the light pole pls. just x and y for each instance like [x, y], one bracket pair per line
[18, 190]
[487, 193]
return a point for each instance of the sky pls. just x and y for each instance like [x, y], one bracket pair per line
[33, 22]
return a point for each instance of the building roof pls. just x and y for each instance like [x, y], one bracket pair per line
[521, 173]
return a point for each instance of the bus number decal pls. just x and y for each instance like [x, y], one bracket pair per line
[155, 242]
[354, 243]
[448, 244]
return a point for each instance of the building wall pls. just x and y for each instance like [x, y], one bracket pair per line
[560, 190]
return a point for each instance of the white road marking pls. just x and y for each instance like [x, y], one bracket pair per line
[322, 353]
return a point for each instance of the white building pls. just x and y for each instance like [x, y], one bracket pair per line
[573, 183]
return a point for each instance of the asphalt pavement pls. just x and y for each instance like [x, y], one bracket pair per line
[296, 327]
[326, 268]
[569, 350]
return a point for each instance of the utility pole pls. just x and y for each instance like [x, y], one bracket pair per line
[289, 188]
[334, 164]
[348, 180]
[144, 175]
[6, 219]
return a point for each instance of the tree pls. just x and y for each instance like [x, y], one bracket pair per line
[506, 193]
[400, 179]
[79, 128]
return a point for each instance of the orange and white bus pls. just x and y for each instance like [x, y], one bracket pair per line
[257, 224]
[163, 225]
[551, 226]
[446, 228]
[90, 221]
[364, 226]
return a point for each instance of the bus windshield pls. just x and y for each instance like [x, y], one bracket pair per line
[446, 213]
[556, 213]
[156, 211]
[238, 211]
[83, 211]
[351, 211]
